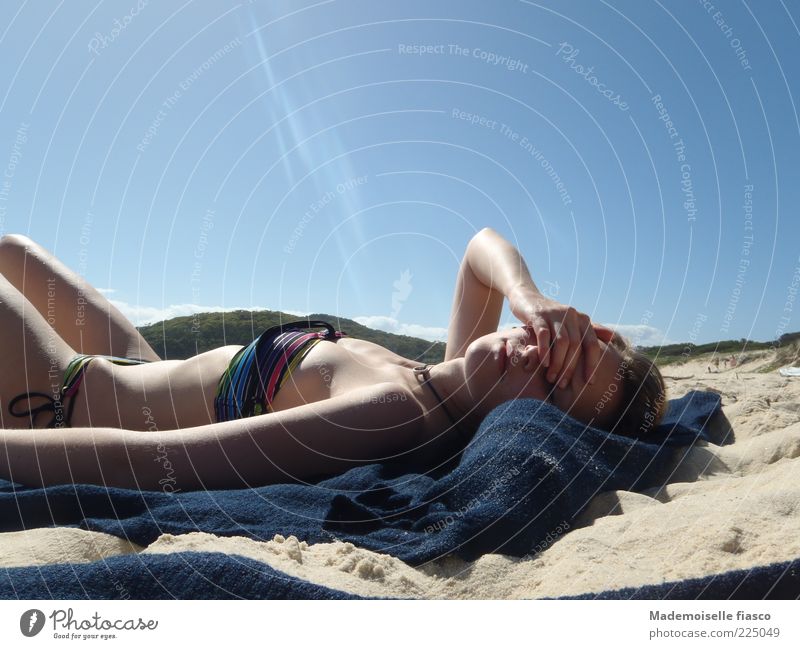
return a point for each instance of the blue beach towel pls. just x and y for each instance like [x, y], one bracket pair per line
[779, 580]
[528, 472]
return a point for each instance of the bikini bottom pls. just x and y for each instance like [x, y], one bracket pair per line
[73, 376]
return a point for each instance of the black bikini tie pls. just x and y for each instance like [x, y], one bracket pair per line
[58, 420]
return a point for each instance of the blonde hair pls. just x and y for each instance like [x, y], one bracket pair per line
[643, 401]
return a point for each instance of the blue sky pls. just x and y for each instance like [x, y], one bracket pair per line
[337, 156]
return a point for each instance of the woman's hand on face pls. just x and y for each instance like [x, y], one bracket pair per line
[562, 333]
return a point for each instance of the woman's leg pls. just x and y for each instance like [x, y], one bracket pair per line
[77, 311]
[33, 357]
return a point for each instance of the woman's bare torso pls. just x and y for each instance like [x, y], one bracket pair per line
[176, 394]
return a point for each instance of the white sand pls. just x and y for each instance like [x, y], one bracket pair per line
[45, 545]
[725, 508]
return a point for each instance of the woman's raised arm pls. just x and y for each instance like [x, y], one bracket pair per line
[326, 437]
[490, 269]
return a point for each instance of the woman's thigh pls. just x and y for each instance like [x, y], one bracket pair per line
[33, 356]
[78, 312]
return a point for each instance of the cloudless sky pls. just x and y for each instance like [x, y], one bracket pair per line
[337, 156]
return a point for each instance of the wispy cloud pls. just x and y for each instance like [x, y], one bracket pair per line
[393, 326]
[641, 335]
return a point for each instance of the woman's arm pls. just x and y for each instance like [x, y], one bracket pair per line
[79, 313]
[490, 269]
[321, 438]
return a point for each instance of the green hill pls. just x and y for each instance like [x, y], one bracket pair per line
[183, 337]
[681, 352]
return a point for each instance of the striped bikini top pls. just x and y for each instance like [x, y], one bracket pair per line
[257, 371]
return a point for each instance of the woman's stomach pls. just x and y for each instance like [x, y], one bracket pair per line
[163, 395]
[168, 395]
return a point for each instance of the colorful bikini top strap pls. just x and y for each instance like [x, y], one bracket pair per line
[310, 324]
